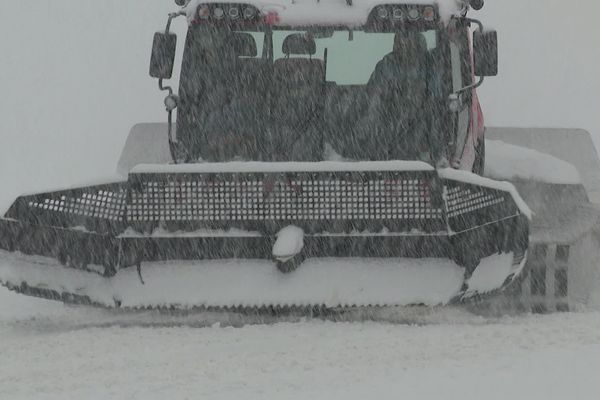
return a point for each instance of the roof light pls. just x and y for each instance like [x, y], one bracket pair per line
[382, 12]
[476, 4]
[398, 14]
[218, 13]
[414, 14]
[249, 12]
[429, 14]
[203, 12]
[234, 13]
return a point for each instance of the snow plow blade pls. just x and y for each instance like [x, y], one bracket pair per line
[211, 236]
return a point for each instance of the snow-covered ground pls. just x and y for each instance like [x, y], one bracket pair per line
[54, 352]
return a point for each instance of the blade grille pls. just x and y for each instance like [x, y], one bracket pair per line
[210, 198]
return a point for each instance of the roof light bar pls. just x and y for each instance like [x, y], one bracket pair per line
[393, 16]
[227, 13]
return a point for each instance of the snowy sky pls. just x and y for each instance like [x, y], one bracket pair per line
[75, 80]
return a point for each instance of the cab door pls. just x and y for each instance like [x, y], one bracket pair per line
[461, 71]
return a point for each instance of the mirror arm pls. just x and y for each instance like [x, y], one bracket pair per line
[169, 118]
[171, 100]
[474, 21]
[172, 16]
[481, 78]
[470, 87]
[163, 88]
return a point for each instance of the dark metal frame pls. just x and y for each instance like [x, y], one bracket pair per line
[475, 220]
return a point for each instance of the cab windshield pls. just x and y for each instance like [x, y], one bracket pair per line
[310, 95]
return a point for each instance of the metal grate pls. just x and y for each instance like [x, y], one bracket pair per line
[99, 204]
[463, 200]
[270, 199]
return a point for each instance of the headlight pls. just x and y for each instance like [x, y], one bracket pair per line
[398, 14]
[382, 12]
[218, 13]
[203, 12]
[248, 12]
[429, 14]
[234, 13]
[414, 14]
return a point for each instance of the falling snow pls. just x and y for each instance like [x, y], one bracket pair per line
[78, 80]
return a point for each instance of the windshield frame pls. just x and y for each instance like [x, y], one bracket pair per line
[437, 145]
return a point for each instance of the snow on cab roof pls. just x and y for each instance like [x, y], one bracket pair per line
[304, 13]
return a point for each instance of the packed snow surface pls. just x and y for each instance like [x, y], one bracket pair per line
[51, 351]
[509, 162]
[325, 12]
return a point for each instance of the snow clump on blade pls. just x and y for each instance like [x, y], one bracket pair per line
[508, 162]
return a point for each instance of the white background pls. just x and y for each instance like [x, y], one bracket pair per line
[73, 79]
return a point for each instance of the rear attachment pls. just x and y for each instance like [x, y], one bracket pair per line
[295, 234]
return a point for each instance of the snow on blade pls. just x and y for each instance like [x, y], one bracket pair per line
[330, 282]
[164, 233]
[491, 274]
[47, 273]
[327, 281]
[473, 179]
[509, 162]
[275, 167]
[290, 242]
[109, 179]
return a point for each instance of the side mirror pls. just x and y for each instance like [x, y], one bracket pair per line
[485, 46]
[163, 55]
